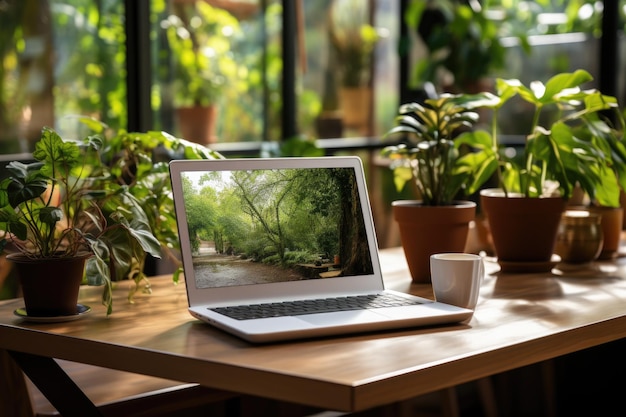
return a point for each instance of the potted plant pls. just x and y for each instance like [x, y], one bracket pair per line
[329, 123]
[578, 146]
[353, 40]
[429, 159]
[462, 43]
[63, 210]
[201, 39]
[139, 162]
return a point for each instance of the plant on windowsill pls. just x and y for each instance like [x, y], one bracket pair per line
[201, 39]
[353, 39]
[580, 147]
[429, 160]
[462, 42]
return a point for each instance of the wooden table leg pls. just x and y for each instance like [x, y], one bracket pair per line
[56, 385]
[14, 396]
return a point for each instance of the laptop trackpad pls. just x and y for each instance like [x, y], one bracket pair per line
[343, 317]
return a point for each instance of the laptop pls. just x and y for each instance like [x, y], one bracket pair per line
[284, 248]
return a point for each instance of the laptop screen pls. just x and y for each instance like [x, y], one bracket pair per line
[257, 226]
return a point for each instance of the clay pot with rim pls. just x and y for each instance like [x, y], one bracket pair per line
[612, 223]
[523, 229]
[355, 106]
[426, 230]
[50, 285]
[198, 124]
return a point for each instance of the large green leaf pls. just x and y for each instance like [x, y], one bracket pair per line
[608, 194]
[58, 155]
[18, 228]
[564, 81]
[97, 270]
[137, 224]
[596, 101]
[50, 215]
[25, 182]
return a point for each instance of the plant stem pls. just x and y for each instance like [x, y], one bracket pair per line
[494, 148]
[525, 182]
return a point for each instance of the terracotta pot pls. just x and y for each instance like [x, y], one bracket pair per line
[356, 105]
[425, 230]
[612, 221]
[622, 203]
[50, 286]
[523, 229]
[198, 124]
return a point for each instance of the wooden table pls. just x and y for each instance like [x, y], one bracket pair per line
[520, 319]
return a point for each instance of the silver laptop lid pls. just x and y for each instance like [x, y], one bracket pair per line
[305, 220]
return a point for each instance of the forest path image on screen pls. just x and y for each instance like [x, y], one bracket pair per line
[257, 226]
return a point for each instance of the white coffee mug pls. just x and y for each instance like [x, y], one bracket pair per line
[456, 278]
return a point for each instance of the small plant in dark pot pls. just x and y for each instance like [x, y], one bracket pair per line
[64, 211]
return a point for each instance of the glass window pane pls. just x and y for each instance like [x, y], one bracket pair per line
[59, 58]
[211, 65]
[350, 72]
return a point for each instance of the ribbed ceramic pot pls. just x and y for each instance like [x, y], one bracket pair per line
[580, 236]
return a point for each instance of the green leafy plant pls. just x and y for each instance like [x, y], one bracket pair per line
[64, 204]
[430, 155]
[200, 38]
[582, 145]
[108, 194]
[463, 43]
[139, 161]
[353, 39]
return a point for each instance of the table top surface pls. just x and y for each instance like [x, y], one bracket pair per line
[520, 319]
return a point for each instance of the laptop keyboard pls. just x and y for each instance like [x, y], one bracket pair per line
[322, 305]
